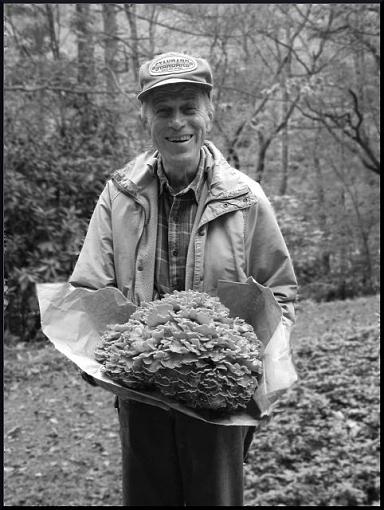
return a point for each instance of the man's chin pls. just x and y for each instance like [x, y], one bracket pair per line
[186, 159]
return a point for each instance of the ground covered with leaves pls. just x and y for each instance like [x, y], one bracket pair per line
[321, 447]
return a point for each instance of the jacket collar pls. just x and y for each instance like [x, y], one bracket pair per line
[135, 177]
[198, 181]
[223, 180]
[139, 176]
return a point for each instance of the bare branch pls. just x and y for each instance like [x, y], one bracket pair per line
[323, 40]
[290, 44]
[78, 90]
[128, 95]
[356, 109]
[340, 122]
[170, 27]
[291, 108]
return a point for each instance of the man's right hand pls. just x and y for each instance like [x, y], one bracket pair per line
[88, 378]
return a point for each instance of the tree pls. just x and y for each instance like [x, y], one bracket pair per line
[130, 11]
[350, 113]
[85, 64]
[110, 45]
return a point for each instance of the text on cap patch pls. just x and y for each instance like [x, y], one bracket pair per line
[172, 65]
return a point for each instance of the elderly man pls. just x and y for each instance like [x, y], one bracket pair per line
[180, 217]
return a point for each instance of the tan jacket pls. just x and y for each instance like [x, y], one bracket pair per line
[235, 236]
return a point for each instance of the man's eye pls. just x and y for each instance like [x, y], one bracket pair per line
[190, 109]
[161, 111]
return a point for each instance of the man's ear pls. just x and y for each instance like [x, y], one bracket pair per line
[144, 121]
[210, 121]
[144, 118]
[211, 114]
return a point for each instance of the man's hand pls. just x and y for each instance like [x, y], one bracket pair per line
[88, 378]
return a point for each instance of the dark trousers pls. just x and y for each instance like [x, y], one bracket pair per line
[171, 459]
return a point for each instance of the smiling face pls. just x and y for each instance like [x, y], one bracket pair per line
[178, 118]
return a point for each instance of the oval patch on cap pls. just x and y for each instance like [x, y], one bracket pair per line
[172, 65]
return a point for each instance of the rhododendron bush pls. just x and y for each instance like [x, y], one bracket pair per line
[189, 348]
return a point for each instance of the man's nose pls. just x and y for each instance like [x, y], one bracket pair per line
[177, 120]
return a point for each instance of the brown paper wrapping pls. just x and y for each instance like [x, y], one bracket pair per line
[74, 319]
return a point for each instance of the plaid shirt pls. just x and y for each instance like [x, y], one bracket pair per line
[175, 221]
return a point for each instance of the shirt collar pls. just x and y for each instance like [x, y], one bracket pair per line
[197, 183]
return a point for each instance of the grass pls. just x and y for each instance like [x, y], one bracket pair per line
[61, 436]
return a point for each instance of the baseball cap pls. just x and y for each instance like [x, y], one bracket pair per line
[172, 67]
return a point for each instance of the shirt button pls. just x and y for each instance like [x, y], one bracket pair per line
[225, 205]
[201, 232]
[174, 253]
[139, 268]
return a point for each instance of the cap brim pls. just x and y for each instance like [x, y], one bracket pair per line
[170, 81]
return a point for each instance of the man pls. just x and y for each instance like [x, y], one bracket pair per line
[179, 217]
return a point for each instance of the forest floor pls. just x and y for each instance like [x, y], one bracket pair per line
[321, 447]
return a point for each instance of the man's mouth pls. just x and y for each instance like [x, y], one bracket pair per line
[179, 139]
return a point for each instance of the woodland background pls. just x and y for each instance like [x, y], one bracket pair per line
[297, 109]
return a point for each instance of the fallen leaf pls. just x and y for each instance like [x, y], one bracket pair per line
[14, 432]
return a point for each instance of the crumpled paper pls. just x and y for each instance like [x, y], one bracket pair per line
[74, 319]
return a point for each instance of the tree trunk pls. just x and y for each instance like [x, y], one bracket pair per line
[232, 154]
[38, 36]
[321, 201]
[52, 32]
[130, 11]
[85, 47]
[343, 256]
[367, 270]
[112, 111]
[85, 63]
[284, 147]
[151, 31]
[264, 143]
[285, 109]
[233, 157]
[110, 45]
[55, 49]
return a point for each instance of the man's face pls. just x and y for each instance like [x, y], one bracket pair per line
[178, 120]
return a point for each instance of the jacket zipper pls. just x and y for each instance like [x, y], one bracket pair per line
[134, 197]
[146, 220]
